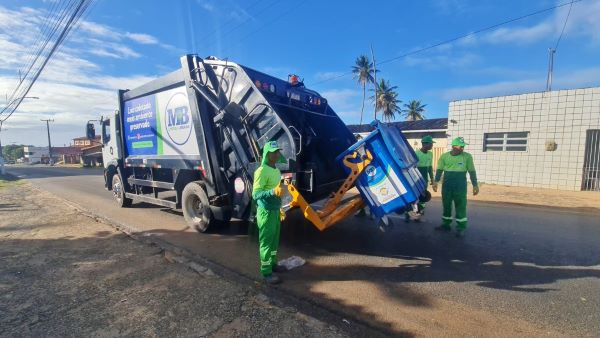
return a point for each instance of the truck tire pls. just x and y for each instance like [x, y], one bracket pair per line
[196, 209]
[119, 192]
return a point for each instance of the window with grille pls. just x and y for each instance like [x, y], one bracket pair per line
[510, 141]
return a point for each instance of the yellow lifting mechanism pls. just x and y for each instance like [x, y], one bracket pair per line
[332, 212]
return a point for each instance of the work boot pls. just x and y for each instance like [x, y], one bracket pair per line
[443, 227]
[279, 268]
[272, 279]
[361, 213]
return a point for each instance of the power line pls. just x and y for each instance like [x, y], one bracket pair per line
[39, 53]
[73, 18]
[565, 25]
[420, 50]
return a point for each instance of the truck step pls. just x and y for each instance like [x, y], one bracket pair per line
[148, 183]
[152, 200]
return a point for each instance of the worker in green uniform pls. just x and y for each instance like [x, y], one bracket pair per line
[425, 167]
[267, 191]
[454, 165]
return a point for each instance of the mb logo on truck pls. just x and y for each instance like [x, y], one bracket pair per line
[177, 119]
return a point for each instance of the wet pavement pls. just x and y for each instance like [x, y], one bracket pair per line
[519, 271]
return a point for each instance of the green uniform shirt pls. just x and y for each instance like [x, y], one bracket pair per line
[425, 164]
[266, 178]
[455, 170]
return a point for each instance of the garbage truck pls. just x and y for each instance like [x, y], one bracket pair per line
[192, 139]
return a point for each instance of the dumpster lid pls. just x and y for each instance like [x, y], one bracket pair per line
[401, 151]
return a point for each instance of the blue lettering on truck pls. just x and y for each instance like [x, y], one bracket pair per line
[178, 120]
[140, 126]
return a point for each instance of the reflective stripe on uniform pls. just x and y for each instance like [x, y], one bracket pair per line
[265, 263]
[461, 219]
[273, 253]
[447, 218]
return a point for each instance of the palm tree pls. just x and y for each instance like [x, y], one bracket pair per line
[387, 100]
[414, 110]
[363, 72]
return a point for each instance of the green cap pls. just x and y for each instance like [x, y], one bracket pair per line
[427, 139]
[459, 141]
[270, 147]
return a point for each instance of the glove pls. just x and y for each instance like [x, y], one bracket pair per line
[277, 191]
[281, 215]
[475, 190]
[434, 186]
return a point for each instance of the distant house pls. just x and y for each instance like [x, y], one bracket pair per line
[82, 142]
[91, 150]
[414, 131]
[34, 155]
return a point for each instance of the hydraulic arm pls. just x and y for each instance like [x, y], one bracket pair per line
[334, 210]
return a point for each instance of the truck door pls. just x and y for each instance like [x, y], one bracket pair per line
[111, 151]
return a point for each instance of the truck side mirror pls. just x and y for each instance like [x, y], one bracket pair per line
[90, 131]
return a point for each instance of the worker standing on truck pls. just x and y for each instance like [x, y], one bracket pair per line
[267, 193]
[454, 165]
[425, 167]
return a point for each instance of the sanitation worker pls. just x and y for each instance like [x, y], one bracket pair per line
[425, 167]
[267, 191]
[454, 165]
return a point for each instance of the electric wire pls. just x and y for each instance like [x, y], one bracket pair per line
[420, 50]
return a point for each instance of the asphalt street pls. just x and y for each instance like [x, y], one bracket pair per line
[519, 269]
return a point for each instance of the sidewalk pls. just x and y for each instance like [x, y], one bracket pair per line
[65, 274]
[534, 196]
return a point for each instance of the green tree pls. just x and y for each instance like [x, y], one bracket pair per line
[363, 72]
[387, 101]
[414, 110]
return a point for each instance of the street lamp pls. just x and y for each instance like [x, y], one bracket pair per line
[16, 99]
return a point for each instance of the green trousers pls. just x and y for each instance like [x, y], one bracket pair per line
[269, 225]
[459, 199]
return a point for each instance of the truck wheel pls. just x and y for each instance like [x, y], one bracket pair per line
[119, 192]
[196, 209]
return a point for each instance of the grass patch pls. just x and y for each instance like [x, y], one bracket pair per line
[7, 181]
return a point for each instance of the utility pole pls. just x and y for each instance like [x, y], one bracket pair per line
[375, 79]
[2, 170]
[49, 144]
[1, 138]
[551, 52]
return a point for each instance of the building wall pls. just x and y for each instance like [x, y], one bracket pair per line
[562, 116]
[35, 154]
[439, 147]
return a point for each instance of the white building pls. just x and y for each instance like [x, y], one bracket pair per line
[545, 140]
[34, 155]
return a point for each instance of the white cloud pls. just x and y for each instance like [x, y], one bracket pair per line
[446, 61]
[72, 88]
[347, 103]
[144, 39]
[342, 97]
[567, 79]
[206, 5]
[583, 22]
[324, 76]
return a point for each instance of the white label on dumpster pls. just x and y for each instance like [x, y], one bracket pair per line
[387, 188]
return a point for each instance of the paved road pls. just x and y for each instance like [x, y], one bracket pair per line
[519, 271]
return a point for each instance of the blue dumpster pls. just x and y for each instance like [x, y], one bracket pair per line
[391, 182]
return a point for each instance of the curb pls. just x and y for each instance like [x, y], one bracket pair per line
[272, 295]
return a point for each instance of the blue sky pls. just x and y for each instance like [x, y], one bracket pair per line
[123, 44]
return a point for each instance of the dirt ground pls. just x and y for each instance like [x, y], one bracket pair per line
[534, 196]
[64, 274]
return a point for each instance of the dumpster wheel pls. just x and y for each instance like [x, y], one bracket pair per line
[196, 209]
